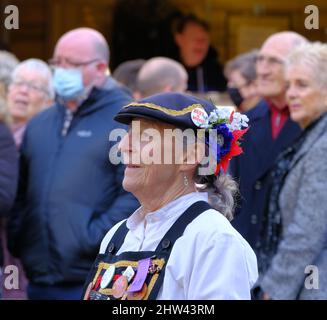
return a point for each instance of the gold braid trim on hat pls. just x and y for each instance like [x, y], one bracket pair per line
[166, 110]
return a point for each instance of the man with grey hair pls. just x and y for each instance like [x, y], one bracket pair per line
[272, 131]
[126, 73]
[69, 192]
[30, 91]
[160, 74]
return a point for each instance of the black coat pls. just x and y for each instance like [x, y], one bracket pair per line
[213, 74]
[8, 170]
[70, 194]
[8, 173]
[252, 168]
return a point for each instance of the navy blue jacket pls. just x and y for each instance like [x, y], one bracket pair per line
[70, 194]
[252, 168]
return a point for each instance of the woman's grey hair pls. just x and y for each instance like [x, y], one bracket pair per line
[222, 190]
[313, 55]
[126, 72]
[39, 67]
[245, 63]
[8, 62]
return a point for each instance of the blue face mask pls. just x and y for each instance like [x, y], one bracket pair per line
[68, 83]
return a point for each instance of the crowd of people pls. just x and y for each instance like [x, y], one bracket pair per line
[247, 230]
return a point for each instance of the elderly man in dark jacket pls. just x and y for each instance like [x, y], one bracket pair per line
[272, 131]
[8, 177]
[70, 194]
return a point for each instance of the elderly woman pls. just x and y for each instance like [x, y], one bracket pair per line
[241, 75]
[293, 255]
[179, 243]
[29, 92]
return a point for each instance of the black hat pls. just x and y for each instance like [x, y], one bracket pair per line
[179, 109]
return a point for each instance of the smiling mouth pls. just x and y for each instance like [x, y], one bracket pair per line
[295, 106]
[21, 103]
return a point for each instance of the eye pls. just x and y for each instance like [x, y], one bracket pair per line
[302, 84]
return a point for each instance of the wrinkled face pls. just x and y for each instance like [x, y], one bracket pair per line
[139, 148]
[270, 70]
[193, 43]
[307, 99]
[27, 95]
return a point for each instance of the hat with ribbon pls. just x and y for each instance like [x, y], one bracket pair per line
[186, 111]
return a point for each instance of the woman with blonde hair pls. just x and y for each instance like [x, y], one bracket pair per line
[293, 253]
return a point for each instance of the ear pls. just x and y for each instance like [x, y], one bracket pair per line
[102, 67]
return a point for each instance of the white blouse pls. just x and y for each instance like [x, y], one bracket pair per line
[210, 261]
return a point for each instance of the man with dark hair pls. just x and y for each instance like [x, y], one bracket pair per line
[198, 57]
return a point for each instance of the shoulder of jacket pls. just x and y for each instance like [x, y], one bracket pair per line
[260, 111]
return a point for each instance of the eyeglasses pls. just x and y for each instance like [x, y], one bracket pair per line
[30, 86]
[69, 63]
[269, 60]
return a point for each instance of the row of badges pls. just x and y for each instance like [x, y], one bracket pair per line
[123, 286]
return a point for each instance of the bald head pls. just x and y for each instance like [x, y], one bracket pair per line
[84, 49]
[283, 43]
[87, 39]
[270, 65]
[161, 74]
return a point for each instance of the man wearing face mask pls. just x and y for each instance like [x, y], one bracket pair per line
[242, 86]
[69, 192]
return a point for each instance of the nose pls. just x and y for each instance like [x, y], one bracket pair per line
[291, 93]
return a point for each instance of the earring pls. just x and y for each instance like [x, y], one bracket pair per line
[185, 181]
